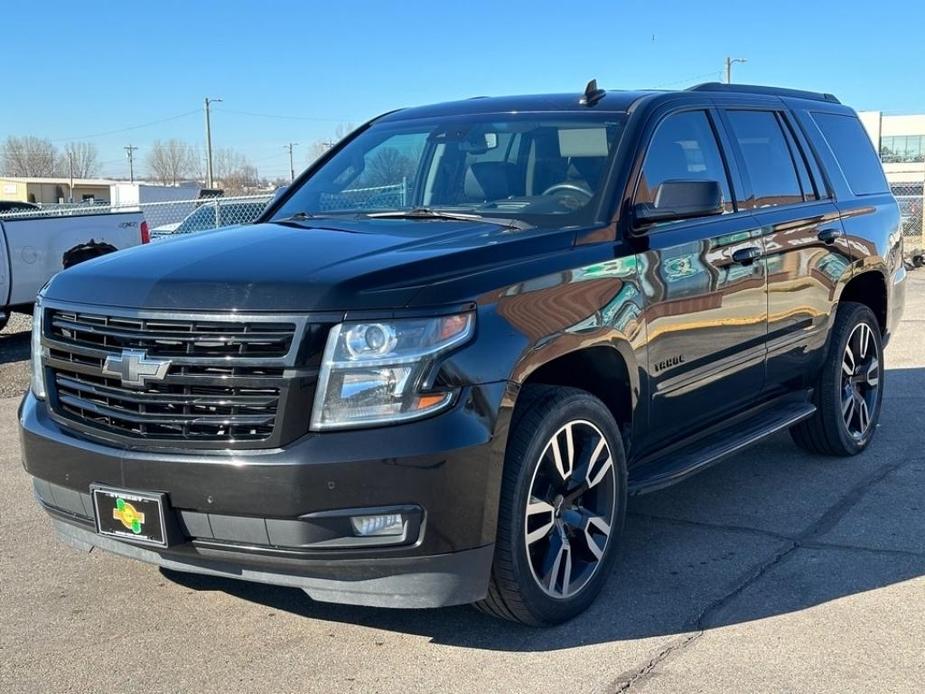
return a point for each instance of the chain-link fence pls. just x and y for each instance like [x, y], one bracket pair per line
[189, 216]
[173, 217]
[166, 218]
[386, 197]
[911, 199]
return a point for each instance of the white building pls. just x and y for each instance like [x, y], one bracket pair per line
[122, 193]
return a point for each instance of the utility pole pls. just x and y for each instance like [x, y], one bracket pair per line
[130, 152]
[729, 63]
[291, 165]
[209, 142]
[70, 173]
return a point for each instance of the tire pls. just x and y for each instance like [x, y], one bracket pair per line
[564, 521]
[848, 406]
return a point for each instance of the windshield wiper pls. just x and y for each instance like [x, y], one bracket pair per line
[430, 213]
[308, 217]
[297, 217]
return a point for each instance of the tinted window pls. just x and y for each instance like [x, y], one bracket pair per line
[683, 148]
[854, 152]
[799, 158]
[767, 158]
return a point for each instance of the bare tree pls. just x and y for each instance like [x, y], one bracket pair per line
[80, 159]
[316, 149]
[226, 161]
[28, 156]
[387, 167]
[319, 147]
[171, 161]
[241, 181]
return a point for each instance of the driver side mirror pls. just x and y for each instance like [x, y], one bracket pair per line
[680, 199]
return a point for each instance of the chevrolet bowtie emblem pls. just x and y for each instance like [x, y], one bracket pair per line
[134, 368]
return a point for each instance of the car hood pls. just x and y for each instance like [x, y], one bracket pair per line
[312, 266]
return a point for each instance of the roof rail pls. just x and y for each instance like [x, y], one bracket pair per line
[758, 89]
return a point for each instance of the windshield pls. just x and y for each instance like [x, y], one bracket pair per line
[543, 169]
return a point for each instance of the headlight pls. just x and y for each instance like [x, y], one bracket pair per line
[38, 371]
[374, 372]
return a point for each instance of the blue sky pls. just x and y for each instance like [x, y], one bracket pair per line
[292, 71]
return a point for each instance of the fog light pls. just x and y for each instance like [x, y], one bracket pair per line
[383, 524]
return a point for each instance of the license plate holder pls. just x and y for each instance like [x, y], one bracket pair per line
[131, 515]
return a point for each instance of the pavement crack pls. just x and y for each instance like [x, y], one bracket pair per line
[626, 681]
[858, 548]
[713, 526]
[700, 623]
[840, 508]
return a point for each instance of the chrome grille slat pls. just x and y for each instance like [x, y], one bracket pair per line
[225, 383]
[102, 352]
[165, 399]
[185, 376]
[232, 420]
[266, 338]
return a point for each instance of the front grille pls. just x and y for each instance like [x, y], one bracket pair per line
[224, 384]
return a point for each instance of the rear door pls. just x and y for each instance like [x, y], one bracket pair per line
[704, 283]
[801, 232]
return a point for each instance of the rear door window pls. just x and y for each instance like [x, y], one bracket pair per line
[767, 156]
[854, 152]
[683, 148]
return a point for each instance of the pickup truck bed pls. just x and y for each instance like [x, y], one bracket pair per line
[37, 246]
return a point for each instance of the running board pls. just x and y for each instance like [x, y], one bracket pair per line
[679, 463]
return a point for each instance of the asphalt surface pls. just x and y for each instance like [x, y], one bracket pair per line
[776, 571]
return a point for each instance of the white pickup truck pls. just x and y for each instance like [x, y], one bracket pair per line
[36, 245]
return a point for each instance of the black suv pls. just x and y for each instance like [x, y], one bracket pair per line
[434, 370]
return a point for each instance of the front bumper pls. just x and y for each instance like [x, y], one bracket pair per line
[253, 514]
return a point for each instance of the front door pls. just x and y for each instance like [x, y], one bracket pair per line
[705, 287]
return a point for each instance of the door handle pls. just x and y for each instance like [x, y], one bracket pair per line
[746, 256]
[829, 236]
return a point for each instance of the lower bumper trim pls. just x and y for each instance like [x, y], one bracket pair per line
[439, 580]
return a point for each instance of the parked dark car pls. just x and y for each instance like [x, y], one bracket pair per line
[13, 206]
[212, 215]
[438, 365]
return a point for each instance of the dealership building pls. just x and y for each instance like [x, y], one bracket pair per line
[901, 143]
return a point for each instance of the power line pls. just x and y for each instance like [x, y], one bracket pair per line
[125, 130]
[687, 80]
[282, 117]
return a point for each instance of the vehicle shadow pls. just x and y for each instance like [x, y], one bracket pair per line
[14, 346]
[770, 532]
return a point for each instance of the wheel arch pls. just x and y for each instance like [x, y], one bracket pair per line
[869, 288]
[605, 369]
